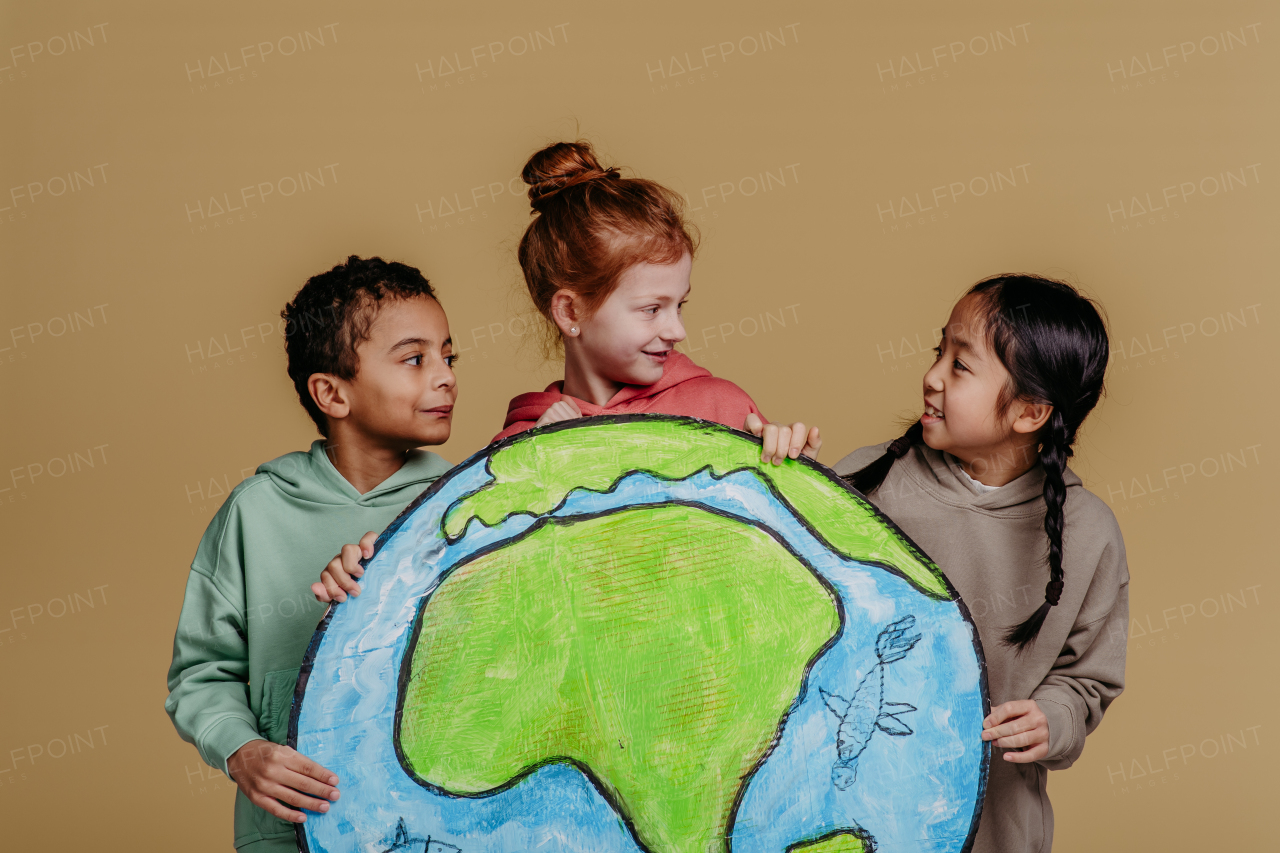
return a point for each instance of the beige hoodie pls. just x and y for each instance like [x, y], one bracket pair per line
[993, 548]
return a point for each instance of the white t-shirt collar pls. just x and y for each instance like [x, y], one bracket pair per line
[981, 487]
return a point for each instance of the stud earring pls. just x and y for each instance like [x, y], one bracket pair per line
[573, 330]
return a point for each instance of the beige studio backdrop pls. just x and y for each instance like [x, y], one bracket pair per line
[173, 173]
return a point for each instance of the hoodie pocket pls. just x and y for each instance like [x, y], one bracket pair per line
[277, 702]
[253, 823]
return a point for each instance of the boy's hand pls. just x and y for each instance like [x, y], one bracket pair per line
[782, 442]
[272, 775]
[1020, 726]
[338, 578]
[562, 410]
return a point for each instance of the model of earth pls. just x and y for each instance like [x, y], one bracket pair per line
[627, 634]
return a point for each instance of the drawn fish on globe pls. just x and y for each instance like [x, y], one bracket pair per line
[867, 711]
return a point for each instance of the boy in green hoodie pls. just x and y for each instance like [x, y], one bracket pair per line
[371, 358]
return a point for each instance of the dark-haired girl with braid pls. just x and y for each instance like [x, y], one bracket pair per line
[981, 483]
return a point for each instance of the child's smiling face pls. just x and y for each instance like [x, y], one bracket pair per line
[403, 393]
[962, 390]
[629, 338]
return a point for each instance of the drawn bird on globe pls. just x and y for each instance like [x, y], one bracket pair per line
[867, 711]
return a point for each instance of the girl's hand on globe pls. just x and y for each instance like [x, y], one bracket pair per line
[1020, 727]
[782, 441]
[561, 410]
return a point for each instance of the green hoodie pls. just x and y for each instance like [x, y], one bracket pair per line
[248, 613]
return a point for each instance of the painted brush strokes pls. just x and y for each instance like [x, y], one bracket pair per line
[626, 634]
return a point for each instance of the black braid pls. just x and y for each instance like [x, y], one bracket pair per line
[1054, 454]
[868, 479]
[1053, 341]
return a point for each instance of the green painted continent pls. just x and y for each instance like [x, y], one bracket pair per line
[658, 648]
[537, 472]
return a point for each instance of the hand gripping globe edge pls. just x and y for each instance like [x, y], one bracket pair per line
[605, 484]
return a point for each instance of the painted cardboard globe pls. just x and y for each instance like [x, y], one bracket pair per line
[627, 634]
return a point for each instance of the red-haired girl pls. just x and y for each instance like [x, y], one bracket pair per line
[607, 262]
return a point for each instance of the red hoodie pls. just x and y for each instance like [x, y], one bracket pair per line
[684, 389]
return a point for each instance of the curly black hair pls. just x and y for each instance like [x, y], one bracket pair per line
[332, 314]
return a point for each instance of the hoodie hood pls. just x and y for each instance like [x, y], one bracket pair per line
[684, 389]
[311, 477]
[679, 368]
[529, 407]
[941, 474]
